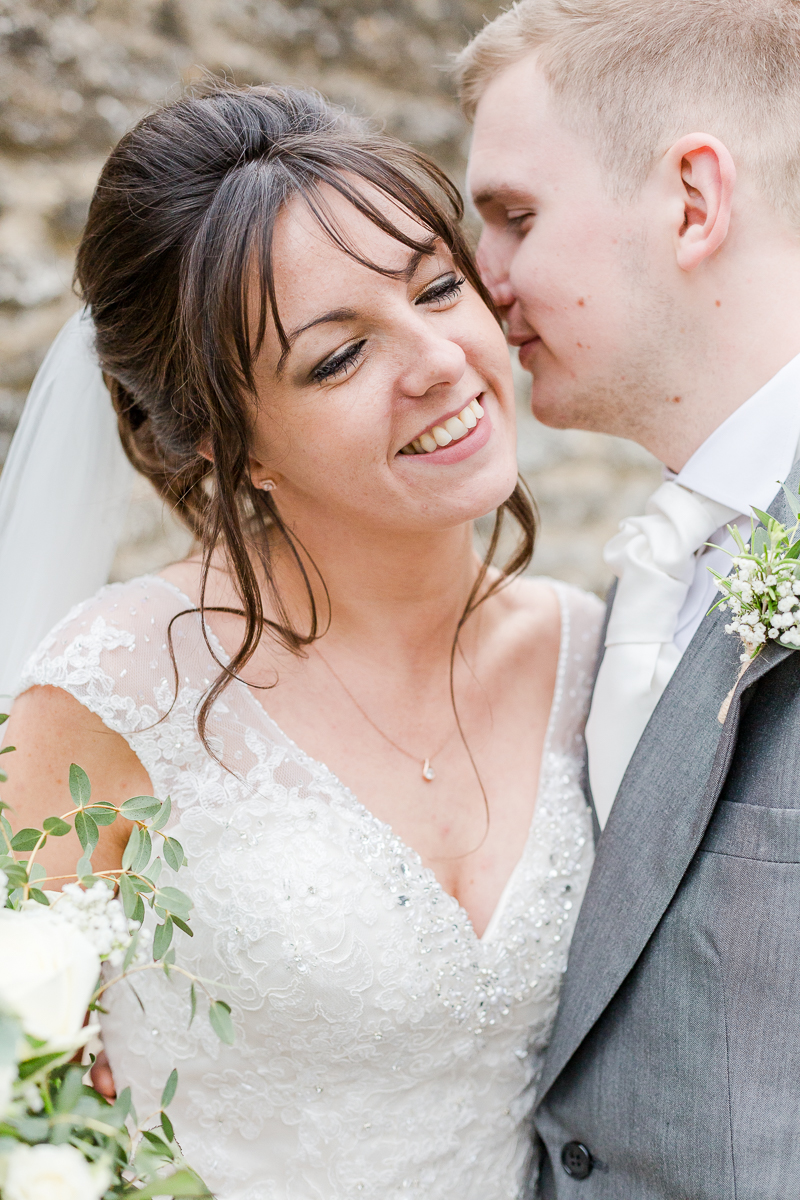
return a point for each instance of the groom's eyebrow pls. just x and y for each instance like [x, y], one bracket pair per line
[501, 193]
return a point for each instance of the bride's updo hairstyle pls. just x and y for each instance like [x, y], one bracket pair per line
[181, 220]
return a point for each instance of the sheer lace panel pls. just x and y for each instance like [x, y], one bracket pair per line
[382, 1049]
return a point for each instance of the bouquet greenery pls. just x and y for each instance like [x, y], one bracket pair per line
[59, 1138]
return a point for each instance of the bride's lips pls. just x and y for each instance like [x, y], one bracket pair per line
[456, 452]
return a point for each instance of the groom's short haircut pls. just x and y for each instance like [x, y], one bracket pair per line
[634, 75]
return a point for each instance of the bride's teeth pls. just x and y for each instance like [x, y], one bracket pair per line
[456, 428]
[468, 418]
[428, 442]
[409, 449]
[476, 408]
[443, 438]
[417, 446]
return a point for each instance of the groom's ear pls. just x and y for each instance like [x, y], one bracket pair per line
[701, 175]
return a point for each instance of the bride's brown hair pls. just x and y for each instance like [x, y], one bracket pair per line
[182, 216]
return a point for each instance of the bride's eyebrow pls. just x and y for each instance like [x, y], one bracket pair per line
[341, 315]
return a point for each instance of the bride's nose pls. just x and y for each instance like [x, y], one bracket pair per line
[432, 361]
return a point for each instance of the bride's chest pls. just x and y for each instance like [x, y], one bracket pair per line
[316, 911]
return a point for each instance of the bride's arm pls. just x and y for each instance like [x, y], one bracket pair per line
[50, 730]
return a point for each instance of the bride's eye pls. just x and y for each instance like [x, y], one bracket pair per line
[339, 363]
[444, 289]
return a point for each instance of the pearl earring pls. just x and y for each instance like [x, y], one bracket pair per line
[266, 485]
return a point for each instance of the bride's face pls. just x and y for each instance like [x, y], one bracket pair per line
[375, 364]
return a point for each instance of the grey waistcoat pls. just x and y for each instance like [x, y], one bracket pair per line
[675, 1058]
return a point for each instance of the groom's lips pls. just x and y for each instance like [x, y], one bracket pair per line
[527, 348]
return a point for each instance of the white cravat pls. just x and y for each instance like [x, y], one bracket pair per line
[653, 558]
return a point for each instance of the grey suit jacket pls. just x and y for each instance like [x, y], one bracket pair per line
[674, 1068]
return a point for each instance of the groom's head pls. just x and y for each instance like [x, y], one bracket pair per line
[637, 167]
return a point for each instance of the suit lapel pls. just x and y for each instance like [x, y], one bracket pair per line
[657, 822]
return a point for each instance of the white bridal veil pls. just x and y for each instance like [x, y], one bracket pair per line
[64, 492]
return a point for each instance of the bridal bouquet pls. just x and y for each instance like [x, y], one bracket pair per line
[762, 591]
[59, 1138]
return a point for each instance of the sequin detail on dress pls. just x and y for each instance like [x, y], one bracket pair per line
[383, 1051]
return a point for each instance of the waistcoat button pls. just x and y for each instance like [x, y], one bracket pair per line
[576, 1160]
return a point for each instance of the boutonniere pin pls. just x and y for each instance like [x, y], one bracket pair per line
[762, 591]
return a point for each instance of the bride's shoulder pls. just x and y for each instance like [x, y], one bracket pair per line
[118, 614]
[544, 600]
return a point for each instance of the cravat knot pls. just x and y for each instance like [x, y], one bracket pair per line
[653, 558]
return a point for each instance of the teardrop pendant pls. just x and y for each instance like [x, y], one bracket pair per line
[428, 772]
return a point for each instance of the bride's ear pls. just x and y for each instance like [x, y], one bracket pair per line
[260, 477]
[701, 177]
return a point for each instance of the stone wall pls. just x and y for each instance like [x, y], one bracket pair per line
[75, 74]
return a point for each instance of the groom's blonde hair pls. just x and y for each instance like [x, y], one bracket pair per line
[634, 75]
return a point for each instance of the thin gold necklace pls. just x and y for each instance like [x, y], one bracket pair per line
[428, 773]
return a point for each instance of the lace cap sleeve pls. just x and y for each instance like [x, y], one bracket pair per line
[582, 622]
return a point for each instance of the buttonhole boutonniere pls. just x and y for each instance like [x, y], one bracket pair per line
[762, 591]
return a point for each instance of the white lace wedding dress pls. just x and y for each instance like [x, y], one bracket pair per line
[383, 1051]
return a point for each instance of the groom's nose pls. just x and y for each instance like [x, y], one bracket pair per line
[494, 276]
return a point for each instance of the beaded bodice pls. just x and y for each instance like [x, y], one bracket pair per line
[383, 1050]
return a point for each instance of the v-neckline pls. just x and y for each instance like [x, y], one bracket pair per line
[320, 768]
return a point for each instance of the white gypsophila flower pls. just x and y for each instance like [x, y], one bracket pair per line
[99, 916]
[50, 970]
[47, 1172]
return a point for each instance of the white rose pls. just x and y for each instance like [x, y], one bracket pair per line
[52, 1173]
[49, 973]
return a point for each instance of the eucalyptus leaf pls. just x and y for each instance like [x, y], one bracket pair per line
[219, 1014]
[153, 871]
[56, 827]
[30, 1066]
[8, 750]
[138, 912]
[793, 500]
[173, 900]
[103, 814]
[142, 859]
[159, 1143]
[128, 894]
[173, 853]
[759, 541]
[79, 787]
[162, 818]
[170, 1087]
[140, 808]
[184, 1184]
[193, 1003]
[182, 925]
[133, 946]
[17, 875]
[87, 831]
[84, 870]
[38, 895]
[132, 849]
[26, 839]
[161, 939]
[37, 873]
[166, 1125]
[122, 1104]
